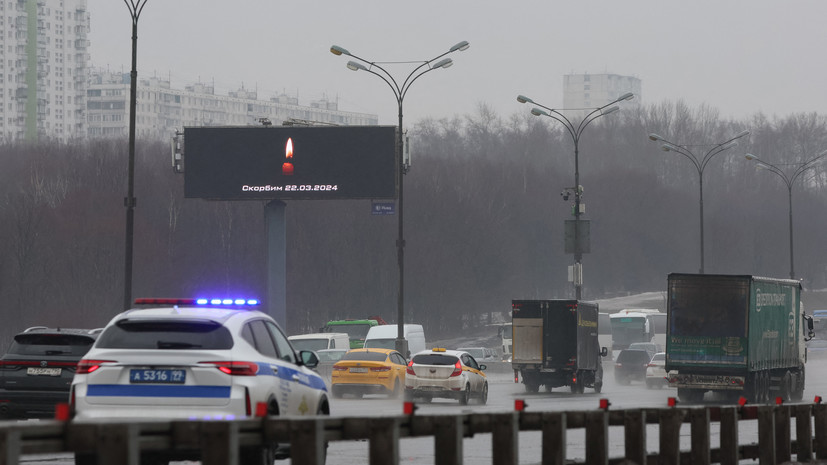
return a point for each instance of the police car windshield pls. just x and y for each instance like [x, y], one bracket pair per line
[166, 335]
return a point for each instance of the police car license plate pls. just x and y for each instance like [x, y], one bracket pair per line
[38, 371]
[358, 370]
[157, 376]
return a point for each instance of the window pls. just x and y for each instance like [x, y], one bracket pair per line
[283, 345]
[165, 334]
[261, 337]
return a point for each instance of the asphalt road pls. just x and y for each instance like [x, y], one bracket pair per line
[502, 394]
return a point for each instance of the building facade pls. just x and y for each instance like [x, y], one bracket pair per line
[161, 110]
[43, 69]
[596, 90]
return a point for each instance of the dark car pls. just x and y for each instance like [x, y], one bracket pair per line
[36, 372]
[630, 365]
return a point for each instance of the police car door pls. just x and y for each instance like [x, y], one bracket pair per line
[304, 386]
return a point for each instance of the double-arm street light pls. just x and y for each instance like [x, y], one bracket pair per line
[700, 165]
[135, 8]
[789, 179]
[575, 132]
[399, 91]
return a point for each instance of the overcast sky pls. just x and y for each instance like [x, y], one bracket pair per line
[739, 56]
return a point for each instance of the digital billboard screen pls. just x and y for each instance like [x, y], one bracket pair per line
[331, 162]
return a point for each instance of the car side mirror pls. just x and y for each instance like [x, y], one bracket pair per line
[604, 352]
[309, 358]
[483, 367]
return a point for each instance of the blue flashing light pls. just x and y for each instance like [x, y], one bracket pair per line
[225, 302]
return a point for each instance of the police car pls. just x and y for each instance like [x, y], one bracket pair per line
[196, 359]
[452, 374]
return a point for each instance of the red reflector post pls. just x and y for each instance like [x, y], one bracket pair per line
[519, 405]
[261, 409]
[62, 411]
[604, 404]
[408, 408]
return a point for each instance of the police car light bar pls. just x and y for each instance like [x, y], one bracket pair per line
[200, 302]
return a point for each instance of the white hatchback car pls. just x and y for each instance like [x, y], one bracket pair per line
[196, 359]
[656, 371]
[452, 374]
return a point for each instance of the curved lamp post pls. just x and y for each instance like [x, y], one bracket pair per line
[135, 8]
[399, 91]
[700, 165]
[576, 132]
[789, 179]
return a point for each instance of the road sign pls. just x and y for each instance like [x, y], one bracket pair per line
[383, 208]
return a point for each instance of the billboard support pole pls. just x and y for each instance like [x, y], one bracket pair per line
[275, 221]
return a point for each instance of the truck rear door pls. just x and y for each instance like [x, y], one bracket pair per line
[560, 335]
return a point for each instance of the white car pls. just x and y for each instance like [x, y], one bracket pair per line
[196, 359]
[656, 371]
[452, 374]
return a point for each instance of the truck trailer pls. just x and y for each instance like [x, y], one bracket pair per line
[555, 344]
[737, 335]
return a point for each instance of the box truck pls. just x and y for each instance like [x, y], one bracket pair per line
[555, 344]
[738, 335]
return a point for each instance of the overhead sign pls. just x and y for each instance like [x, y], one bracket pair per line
[383, 208]
[262, 163]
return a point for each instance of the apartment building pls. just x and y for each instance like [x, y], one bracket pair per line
[595, 90]
[162, 109]
[43, 69]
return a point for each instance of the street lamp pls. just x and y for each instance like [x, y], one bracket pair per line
[789, 179]
[700, 165]
[399, 91]
[135, 8]
[575, 132]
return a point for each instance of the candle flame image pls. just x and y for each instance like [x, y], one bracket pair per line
[287, 167]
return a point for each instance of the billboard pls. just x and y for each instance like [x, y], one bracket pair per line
[267, 162]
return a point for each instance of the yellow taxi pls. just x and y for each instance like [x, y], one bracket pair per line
[453, 374]
[369, 371]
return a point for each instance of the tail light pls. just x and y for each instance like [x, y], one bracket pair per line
[236, 368]
[248, 409]
[457, 369]
[339, 368]
[409, 370]
[87, 366]
[651, 365]
[380, 369]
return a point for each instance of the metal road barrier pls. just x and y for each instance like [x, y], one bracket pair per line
[218, 442]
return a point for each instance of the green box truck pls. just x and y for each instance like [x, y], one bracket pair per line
[555, 344]
[737, 335]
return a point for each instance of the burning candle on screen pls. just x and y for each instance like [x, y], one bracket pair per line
[287, 167]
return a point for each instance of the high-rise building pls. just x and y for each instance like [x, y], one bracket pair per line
[161, 109]
[596, 90]
[43, 67]
[48, 90]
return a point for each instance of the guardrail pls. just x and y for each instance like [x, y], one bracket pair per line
[218, 442]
